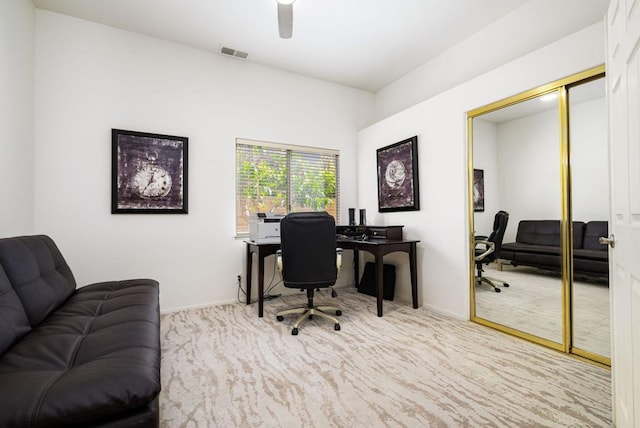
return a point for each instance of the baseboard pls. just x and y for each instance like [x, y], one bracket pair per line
[285, 291]
[439, 311]
[197, 306]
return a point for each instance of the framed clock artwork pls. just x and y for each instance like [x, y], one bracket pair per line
[149, 173]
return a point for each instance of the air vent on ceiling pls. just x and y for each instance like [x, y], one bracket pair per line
[232, 52]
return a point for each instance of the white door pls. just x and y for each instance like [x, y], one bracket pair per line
[623, 80]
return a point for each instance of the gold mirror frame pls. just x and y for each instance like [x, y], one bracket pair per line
[559, 86]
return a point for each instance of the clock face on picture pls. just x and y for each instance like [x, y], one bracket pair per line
[151, 181]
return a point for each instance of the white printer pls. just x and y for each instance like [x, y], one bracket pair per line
[264, 228]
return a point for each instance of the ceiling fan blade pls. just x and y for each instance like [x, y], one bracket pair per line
[285, 20]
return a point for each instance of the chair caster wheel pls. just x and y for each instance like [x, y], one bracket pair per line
[497, 290]
[505, 284]
[338, 313]
[336, 327]
[280, 318]
[311, 316]
[294, 332]
[333, 293]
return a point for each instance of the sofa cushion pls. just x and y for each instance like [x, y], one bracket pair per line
[96, 356]
[547, 232]
[541, 232]
[38, 273]
[578, 234]
[592, 232]
[591, 267]
[542, 261]
[13, 320]
[590, 255]
[517, 247]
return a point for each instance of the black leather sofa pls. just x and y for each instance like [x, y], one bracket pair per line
[539, 244]
[86, 357]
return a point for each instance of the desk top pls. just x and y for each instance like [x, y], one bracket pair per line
[346, 242]
[375, 241]
[377, 246]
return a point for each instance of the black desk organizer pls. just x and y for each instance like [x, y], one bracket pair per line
[370, 232]
[367, 284]
[351, 232]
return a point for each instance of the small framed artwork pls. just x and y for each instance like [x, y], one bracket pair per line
[149, 173]
[478, 190]
[398, 176]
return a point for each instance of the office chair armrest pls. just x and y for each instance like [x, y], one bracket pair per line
[279, 260]
[491, 247]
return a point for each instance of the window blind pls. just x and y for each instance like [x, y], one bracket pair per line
[280, 179]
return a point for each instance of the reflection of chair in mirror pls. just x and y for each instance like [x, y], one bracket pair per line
[308, 260]
[487, 249]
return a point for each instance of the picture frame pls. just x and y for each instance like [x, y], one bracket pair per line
[398, 187]
[149, 173]
[478, 190]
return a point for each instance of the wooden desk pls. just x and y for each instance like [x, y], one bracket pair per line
[378, 247]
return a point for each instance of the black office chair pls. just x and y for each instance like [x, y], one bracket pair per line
[487, 249]
[308, 260]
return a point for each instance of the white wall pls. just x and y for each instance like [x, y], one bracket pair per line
[589, 161]
[91, 78]
[529, 169]
[441, 224]
[485, 157]
[17, 27]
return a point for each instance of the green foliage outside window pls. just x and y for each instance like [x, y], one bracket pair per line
[280, 181]
[265, 181]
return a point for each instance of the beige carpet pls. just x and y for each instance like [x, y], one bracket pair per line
[533, 304]
[225, 367]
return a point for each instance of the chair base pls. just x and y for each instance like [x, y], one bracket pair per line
[490, 281]
[308, 312]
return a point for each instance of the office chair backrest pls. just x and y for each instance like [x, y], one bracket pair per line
[497, 235]
[308, 245]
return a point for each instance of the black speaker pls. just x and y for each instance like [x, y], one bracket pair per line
[368, 282]
[363, 217]
[352, 216]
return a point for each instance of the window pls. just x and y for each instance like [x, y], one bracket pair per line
[277, 178]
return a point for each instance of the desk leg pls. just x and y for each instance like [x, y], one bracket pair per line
[356, 268]
[249, 271]
[379, 281]
[260, 284]
[414, 275]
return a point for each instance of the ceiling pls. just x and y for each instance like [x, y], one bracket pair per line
[364, 44]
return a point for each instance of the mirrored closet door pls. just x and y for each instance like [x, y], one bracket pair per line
[538, 180]
[516, 149]
[589, 206]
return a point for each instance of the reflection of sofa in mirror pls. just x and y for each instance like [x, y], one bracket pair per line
[539, 244]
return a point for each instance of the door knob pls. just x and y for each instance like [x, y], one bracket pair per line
[608, 241]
